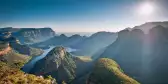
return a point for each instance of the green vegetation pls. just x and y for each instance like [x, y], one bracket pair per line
[107, 71]
[63, 82]
[26, 50]
[83, 58]
[10, 75]
[35, 51]
[58, 63]
[14, 59]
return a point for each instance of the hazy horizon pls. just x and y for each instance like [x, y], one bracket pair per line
[81, 15]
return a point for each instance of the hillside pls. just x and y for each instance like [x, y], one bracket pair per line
[11, 57]
[107, 71]
[10, 75]
[146, 54]
[58, 63]
[127, 51]
[26, 50]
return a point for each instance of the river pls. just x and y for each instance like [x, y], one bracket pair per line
[28, 66]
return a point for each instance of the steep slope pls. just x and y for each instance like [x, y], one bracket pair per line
[127, 51]
[11, 57]
[58, 63]
[10, 75]
[107, 71]
[159, 51]
[4, 48]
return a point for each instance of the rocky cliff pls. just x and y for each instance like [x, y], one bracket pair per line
[30, 35]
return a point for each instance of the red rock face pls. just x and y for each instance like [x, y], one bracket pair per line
[5, 51]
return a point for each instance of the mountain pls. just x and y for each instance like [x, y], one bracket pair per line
[85, 46]
[127, 51]
[58, 63]
[149, 25]
[158, 62]
[9, 75]
[62, 40]
[107, 71]
[142, 56]
[92, 44]
[30, 35]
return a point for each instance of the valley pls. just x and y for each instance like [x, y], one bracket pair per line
[126, 57]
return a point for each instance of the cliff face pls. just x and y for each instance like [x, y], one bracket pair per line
[107, 71]
[30, 35]
[58, 63]
[33, 35]
[158, 53]
[11, 57]
[6, 39]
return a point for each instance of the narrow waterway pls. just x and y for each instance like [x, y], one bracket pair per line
[28, 66]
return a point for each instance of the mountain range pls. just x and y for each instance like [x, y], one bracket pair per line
[130, 56]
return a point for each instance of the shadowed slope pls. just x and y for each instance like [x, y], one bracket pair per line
[107, 71]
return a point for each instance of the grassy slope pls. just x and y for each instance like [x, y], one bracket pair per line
[107, 71]
[26, 50]
[13, 57]
[10, 75]
[8, 55]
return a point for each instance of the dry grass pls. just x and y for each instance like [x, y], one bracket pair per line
[10, 75]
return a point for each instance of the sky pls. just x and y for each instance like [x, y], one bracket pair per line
[81, 15]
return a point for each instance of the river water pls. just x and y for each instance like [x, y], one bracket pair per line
[28, 66]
